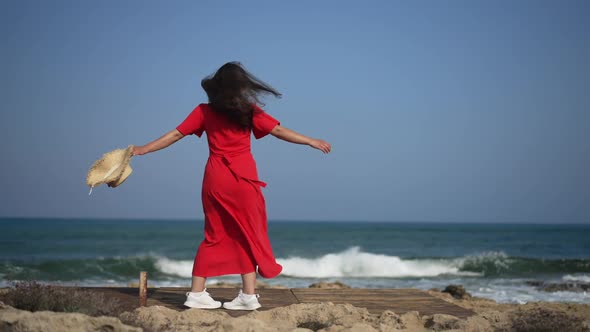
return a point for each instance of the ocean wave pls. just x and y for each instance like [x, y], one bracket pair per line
[499, 264]
[115, 268]
[352, 262]
[181, 268]
[355, 263]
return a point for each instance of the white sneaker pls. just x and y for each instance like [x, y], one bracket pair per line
[201, 300]
[243, 302]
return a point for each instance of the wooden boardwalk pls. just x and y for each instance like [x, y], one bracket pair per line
[375, 300]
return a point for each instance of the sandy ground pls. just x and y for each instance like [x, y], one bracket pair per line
[328, 317]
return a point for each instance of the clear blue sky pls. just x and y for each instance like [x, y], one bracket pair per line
[436, 110]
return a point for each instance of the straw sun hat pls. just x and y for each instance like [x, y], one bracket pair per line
[113, 168]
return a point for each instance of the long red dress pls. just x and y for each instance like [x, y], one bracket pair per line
[236, 238]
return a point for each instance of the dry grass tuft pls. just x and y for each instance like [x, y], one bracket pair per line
[35, 296]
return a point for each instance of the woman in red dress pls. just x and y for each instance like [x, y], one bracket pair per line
[236, 238]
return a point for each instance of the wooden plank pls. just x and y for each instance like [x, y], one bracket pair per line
[378, 300]
[375, 300]
[269, 298]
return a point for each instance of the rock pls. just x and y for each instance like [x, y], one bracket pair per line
[391, 319]
[457, 291]
[540, 318]
[316, 316]
[578, 287]
[567, 287]
[329, 285]
[442, 322]
[534, 283]
[478, 324]
[305, 317]
[12, 319]
[411, 320]
[244, 325]
[495, 317]
[159, 318]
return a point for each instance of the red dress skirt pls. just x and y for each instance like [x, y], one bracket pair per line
[236, 234]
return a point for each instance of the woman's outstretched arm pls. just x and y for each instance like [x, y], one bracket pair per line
[292, 136]
[163, 142]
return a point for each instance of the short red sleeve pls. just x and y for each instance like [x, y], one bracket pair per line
[262, 123]
[194, 123]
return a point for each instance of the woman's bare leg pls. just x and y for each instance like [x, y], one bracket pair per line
[249, 283]
[198, 284]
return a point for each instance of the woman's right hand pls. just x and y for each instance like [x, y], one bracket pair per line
[321, 145]
[163, 142]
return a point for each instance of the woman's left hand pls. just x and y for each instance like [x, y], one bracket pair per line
[139, 150]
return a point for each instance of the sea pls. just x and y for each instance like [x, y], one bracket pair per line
[491, 260]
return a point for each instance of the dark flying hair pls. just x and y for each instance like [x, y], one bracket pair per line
[232, 91]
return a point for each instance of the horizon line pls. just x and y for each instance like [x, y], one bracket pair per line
[313, 221]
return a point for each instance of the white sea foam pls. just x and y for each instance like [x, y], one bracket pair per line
[174, 267]
[499, 259]
[577, 278]
[516, 291]
[355, 263]
[184, 269]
